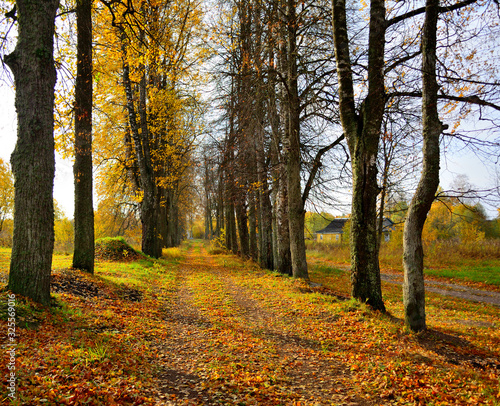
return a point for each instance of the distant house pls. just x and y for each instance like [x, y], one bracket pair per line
[333, 231]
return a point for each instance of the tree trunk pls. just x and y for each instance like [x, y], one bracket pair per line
[83, 255]
[296, 211]
[383, 194]
[365, 271]
[231, 242]
[163, 218]
[252, 225]
[413, 253]
[266, 247]
[363, 134]
[33, 161]
[284, 264]
[242, 221]
[283, 239]
[149, 208]
[220, 202]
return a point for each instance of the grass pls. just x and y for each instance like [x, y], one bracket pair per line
[91, 350]
[489, 275]
[447, 261]
[173, 253]
[249, 334]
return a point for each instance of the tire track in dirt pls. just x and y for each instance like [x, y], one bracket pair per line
[178, 380]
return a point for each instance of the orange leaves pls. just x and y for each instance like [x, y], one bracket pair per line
[218, 330]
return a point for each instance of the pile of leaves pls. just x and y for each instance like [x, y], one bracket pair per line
[115, 249]
[72, 281]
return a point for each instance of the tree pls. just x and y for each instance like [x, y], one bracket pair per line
[154, 79]
[362, 131]
[140, 136]
[83, 255]
[33, 160]
[413, 256]
[296, 212]
[274, 81]
[432, 91]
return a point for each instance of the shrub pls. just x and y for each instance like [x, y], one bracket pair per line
[115, 249]
[218, 244]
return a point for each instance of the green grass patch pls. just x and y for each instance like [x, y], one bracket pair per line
[484, 274]
[326, 270]
[145, 274]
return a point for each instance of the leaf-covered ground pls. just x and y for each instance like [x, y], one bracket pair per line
[197, 329]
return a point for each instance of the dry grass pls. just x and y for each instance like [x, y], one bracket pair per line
[437, 253]
[172, 253]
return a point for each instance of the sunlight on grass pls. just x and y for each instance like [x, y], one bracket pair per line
[173, 253]
[250, 330]
[485, 274]
[4, 263]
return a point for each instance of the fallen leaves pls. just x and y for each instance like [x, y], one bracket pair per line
[200, 332]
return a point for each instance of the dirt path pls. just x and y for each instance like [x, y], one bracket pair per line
[227, 349]
[442, 288]
[452, 289]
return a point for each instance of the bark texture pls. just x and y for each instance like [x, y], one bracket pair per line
[296, 210]
[413, 253]
[33, 161]
[362, 131]
[83, 255]
[149, 204]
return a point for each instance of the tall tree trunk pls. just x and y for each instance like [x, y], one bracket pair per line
[229, 185]
[363, 133]
[208, 201]
[252, 225]
[149, 208]
[150, 202]
[284, 264]
[274, 89]
[33, 161]
[275, 163]
[266, 220]
[413, 253]
[385, 184]
[230, 221]
[284, 253]
[253, 201]
[83, 255]
[219, 224]
[296, 210]
[163, 217]
[242, 220]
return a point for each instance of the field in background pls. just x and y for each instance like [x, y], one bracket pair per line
[475, 262]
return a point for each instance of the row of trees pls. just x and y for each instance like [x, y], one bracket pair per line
[133, 92]
[269, 92]
[295, 81]
[292, 71]
[145, 136]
